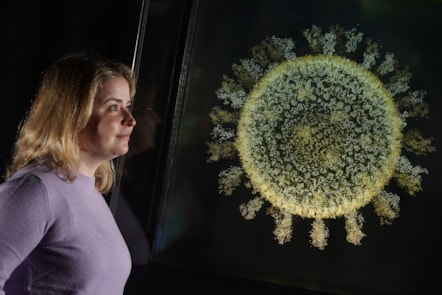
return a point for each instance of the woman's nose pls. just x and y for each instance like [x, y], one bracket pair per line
[129, 119]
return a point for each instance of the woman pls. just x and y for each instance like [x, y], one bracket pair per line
[57, 234]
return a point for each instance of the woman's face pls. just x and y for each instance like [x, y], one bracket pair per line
[107, 133]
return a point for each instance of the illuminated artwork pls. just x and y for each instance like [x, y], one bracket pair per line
[319, 135]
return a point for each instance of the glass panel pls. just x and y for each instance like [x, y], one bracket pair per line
[344, 166]
[162, 27]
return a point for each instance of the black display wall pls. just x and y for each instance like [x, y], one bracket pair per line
[35, 33]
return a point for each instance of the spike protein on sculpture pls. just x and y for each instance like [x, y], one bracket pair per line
[321, 135]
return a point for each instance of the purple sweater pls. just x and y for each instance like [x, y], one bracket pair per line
[58, 237]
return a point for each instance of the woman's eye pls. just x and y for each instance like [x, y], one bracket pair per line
[113, 108]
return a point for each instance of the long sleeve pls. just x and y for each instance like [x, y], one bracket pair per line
[24, 220]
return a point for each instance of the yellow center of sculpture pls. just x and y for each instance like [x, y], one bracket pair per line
[319, 136]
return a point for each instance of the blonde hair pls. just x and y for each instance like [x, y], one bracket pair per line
[61, 109]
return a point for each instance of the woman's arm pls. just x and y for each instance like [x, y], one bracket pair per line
[24, 220]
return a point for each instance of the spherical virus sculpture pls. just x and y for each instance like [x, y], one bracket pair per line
[321, 135]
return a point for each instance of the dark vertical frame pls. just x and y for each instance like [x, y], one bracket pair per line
[162, 27]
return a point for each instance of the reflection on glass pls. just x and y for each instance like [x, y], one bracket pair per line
[142, 141]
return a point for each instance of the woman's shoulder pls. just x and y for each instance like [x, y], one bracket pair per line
[37, 171]
[35, 179]
[24, 187]
[51, 186]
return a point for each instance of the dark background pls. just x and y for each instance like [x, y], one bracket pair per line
[35, 33]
